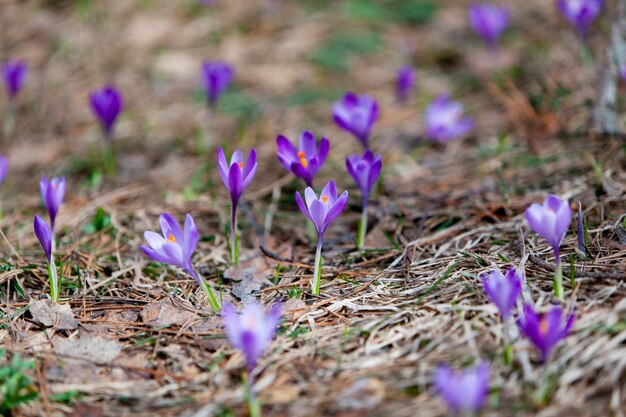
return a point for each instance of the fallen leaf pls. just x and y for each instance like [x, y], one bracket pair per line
[165, 313]
[101, 349]
[364, 393]
[51, 314]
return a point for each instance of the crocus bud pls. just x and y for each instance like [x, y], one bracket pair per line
[44, 235]
[405, 82]
[52, 193]
[14, 75]
[550, 220]
[216, 76]
[106, 105]
[4, 167]
[489, 21]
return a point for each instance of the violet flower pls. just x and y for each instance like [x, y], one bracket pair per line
[580, 13]
[305, 161]
[52, 193]
[489, 21]
[445, 121]
[45, 237]
[106, 105]
[356, 114]
[365, 171]
[176, 247]
[322, 212]
[216, 76]
[4, 167]
[545, 330]
[503, 290]
[236, 176]
[405, 82]
[14, 75]
[464, 392]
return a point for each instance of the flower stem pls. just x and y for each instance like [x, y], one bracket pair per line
[53, 280]
[234, 238]
[9, 120]
[558, 276]
[360, 239]
[317, 273]
[507, 353]
[213, 302]
[254, 406]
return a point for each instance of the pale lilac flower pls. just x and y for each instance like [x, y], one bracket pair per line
[356, 114]
[307, 159]
[489, 21]
[106, 105]
[503, 290]
[405, 82]
[14, 75]
[464, 392]
[580, 13]
[545, 330]
[550, 221]
[216, 77]
[445, 120]
[4, 167]
[52, 193]
[365, 171]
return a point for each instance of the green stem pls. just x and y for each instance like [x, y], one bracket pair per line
[213, 302]
[360, 240]
[109, 158]
[53, 280]
[508, 346]
[9, 120]
[558, 276]
[317, 273]
[254, 405]
[234, 238]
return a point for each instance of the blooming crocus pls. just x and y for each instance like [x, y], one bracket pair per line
[489, 21]
[365, 171]
[236, 176]
[356, 114]
[307, 159]
[405, 82]
[545, 330]
[216, 76]
[580, 13]
[106, 105]
[322, 212]
[503, 290]
[176, 247]
[4, 167]
[445, 120]
[52, 192]
[464, 392]
[44, 235]
[14, 75]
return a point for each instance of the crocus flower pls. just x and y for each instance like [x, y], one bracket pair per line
[545, 330]
[580, 13]
[4, 167]
[305, 161]
[550, 220]
[52, 192]
[489, 21]
[322, 212]
[503, 290]
[14, 75]
[251, 332]
[216, 76]
[106, 105]
[365, 171]
[405, 82]
[463, 392]
[356, 114]
[236, 176]
[445, 121]
[45, 237]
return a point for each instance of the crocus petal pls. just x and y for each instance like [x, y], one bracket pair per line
[336, 209]
[318, 215]
[309, 196]
[222, 166]
[307, 144]
[155, 255]
[323, 152]
[169, 226]
[302, 206]
[329, 190]
[234, 183]
[44, 235]
[191, 237]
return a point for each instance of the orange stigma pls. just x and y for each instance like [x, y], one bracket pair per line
[240, 165]
[171, 238]
[544, 326]
[325, 199]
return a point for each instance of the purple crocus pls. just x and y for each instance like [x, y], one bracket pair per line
[45, 237]
[550, 221]
[445, 121]
[405, 82]
[4, 167]
[305, 161]
[503, 290]
[322, 212]
[580, 13]
[365, 171]
[52, 193]
[14, 75]
[464, 392]
[252, 331]
[489, 21]
[236, 176]
[545, 330]
[216, 76]
[106, 105]
[356, 114]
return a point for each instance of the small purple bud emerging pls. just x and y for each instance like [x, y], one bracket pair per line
[305, 161]
[405, 82]
[545, 330]
[580, 13]
[503, 290]
[445, 121]
[489, 21]
[365, 170]
[463, 392]
[4, 167]
[52, 193]
[44, 235]
[14, 75]
[216, 76]
[324, 210]
[251, 331]
[106, 105]
[356, 114]
[622, 72]
[550, 220]
[236, 175]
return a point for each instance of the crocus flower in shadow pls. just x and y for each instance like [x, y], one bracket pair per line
[405, 82]
[106, 105]
[356, 114]
[464, 392]
[580, 13]
[365, 171]
[304, 161]
[545, 330]
[216, 76]
[4, 167]
[489, 21]
[445, 121]
[503, 290]
[44, 235]
[52, 193]
[14, 75]
[322, 212]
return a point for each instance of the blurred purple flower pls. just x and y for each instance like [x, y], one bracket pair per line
[464, 392]
[305, 161]
[365, 171]
[106, 105]
[236, 175]
[324, 210]
[489, 21]
[357, 115]
[52, 193]
[580, 13]
[44, 235]
[622, 72]
[4, 167]
[252, 331]
[545, 330]
[444, 120]
[14, 75]
[405, 82]
[503, 290]
[550, 221]
[216, 76]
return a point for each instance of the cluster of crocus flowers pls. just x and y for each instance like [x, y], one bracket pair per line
[216, 76]
[580, 13]
[106, 105]
[236, 176]
[489, 21]
[365, 171]
[14, 76]
[356, 114]
[175, 246]
[445, 120]
[405, 83]
[322, 212]
[464, 392]
[551, 221]
[307, 159]
[545, 330]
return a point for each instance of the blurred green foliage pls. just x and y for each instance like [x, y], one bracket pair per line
[333, 54]
[15, 387]
[407, 11]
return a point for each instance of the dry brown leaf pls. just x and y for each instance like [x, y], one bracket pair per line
[98, 348]
[51, 314]
[165, 313]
